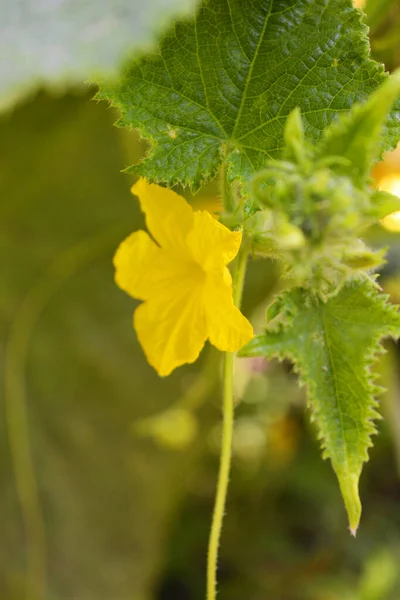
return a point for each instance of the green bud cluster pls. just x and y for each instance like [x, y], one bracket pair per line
[309, 211]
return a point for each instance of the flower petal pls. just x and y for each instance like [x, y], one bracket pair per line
[171, 331]
[134, 262]
[211, 243]
[144, 270]
[169, 217]
[228, 330]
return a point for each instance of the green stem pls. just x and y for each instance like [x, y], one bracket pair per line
[226, 190]
[227, 433]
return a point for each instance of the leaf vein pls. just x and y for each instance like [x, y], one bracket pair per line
[251, 68]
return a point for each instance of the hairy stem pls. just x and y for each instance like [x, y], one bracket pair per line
[227, 432]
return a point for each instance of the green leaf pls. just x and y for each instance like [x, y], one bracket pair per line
[384, 204]
[334, 346]
[296, 149]
[224, 85]
[66, 42]
[357, 135]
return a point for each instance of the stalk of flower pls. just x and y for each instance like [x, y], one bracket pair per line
[188, 296]
[182, 278]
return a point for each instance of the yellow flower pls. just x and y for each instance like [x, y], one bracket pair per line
[183, 280]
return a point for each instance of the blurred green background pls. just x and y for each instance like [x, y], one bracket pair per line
[125, 463]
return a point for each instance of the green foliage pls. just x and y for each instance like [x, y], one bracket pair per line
[384, 204]
[285, 97]
[65, 42]
[223, 86]
[357, 136]
[318, 200]
[333, 346]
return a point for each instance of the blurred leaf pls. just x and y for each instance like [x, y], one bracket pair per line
[377, 11]
[380, 576]
[383, 18]
[106, 496]
[60, 42]
[174, 428]
[385, 204]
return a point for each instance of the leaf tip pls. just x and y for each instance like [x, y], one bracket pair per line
[349, 488]
[353, 531]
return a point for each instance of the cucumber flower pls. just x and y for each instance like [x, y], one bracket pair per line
[182, 278]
